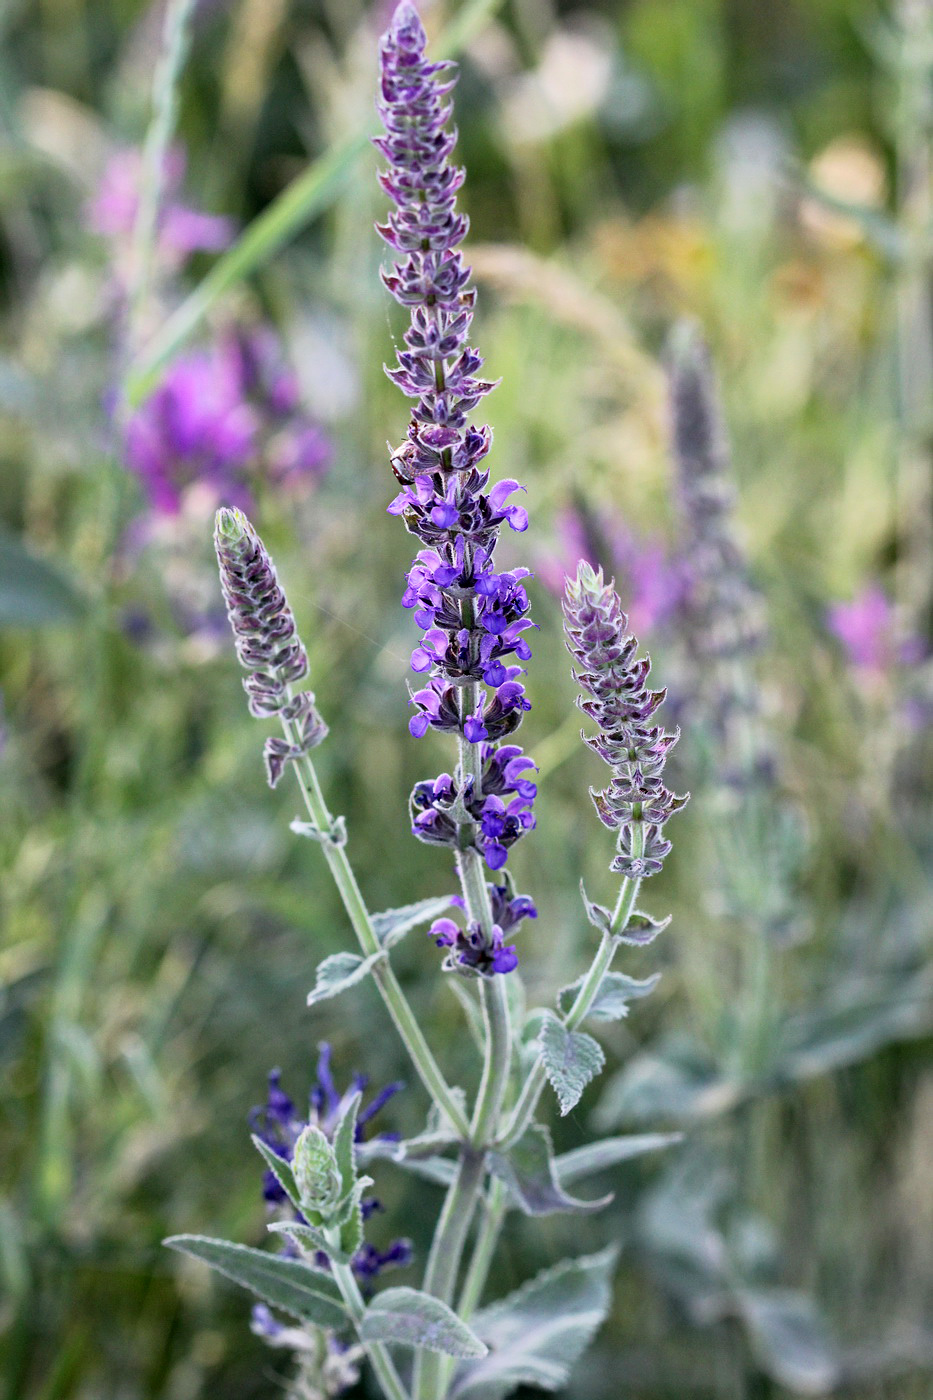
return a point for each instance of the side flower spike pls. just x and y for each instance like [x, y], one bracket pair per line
[616, 696]
[267, 641]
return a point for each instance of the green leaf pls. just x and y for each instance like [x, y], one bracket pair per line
[790, 1338]
[529, 1171]
[536, 1335]
[409, 1318]
[340, 971]
[598, 916]
[32, 592]
[392, 924]
[615, 992]
[280, 1169]
[571, 1059]
[288, 1284]
[344, 1135]
[598, 1156]
[641, 929]
[312, 1237]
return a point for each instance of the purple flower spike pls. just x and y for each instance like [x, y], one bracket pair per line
[616, 696]
[474, 619]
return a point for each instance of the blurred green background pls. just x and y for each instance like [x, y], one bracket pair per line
[763, 168]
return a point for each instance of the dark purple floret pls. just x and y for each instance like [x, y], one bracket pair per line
[636, 803]
[279, 1125]
[472, 950]
[474, 618]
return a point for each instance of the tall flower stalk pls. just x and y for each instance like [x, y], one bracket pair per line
[474, 623]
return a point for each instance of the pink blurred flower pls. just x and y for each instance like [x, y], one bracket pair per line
[650, 583]
[181, 230]
[865, 627]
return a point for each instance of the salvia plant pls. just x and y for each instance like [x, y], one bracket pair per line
[319, 1288]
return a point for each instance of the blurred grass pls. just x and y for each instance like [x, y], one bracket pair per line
[161, 925]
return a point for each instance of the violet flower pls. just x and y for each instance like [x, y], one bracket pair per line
[865, 627]
[636, 803]
[226, 417]
[474, 619]
[278, 1124]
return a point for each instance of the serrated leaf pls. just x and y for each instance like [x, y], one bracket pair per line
[280, 1169]
[32, 592]
[598, 916]
[391, 925]
[641, 929]
[537, 1334]
[615, 992]
[340, 971]
[528, 1170]
[289, 1284]
[571, 1059]
[598, 1156]
[790, 1338]
[410, 1318]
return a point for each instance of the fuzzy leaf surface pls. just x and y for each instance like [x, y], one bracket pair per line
[529, 1171]
[340, 971]
[288, 1284]
[280, 1169]
[611, 1001]
[409, 1318]
[571, 1059]
[537, 1334]
[391, 925]
[599, 1156]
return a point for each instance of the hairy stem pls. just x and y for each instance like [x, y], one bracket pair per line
[378, 1355]
[440, 1279]
[487, 1237]
[390, 989]
[533, 1087]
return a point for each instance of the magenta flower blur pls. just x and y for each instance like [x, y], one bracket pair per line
[181, 230]
[228, 416]
[475, 620]
[652, 581]
[865, 627]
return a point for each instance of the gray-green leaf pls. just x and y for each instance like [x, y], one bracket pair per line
[598, 1156]
[790, 1338]
[571, 1059]
[288, 1284]
[529, 1171]
[410, 1318]
[280, 1169]
[340, 971]
[611, 1001]
[393, 924]
[536, 1335]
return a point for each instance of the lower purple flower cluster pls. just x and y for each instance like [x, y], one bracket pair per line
[278, 1124]
[470, 948]
[438, 805]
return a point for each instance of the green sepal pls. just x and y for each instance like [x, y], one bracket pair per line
[280, 1169]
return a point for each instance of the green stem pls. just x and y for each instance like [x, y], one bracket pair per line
[444, 1260]
[378, 1355]
[389, 987]
[533, 1087]
[175, 35]
[487, 1238]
